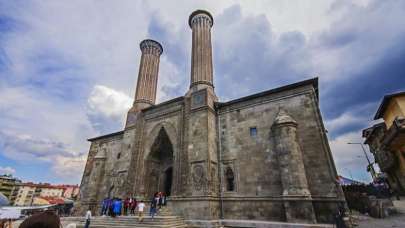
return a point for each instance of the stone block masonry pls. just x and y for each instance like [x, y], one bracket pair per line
[261, 157]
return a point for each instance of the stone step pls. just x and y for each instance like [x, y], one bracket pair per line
[135, 225]
[123, 218]
[133, 222]
[137, 222]
[129, 221]
[132, 226]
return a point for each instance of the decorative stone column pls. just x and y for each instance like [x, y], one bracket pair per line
[296, 194]
[200, 22]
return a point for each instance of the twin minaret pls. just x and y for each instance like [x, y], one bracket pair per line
[145, 94]
[200, 22]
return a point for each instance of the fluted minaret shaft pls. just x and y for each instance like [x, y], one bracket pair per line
[200, 22]
[148, 72]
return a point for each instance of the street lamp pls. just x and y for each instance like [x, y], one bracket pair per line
[370, 167]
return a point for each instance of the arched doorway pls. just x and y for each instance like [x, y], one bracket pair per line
[159, 165]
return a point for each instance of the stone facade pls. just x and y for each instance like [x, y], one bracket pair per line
[264, 157]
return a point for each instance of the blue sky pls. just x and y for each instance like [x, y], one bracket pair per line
[68, 68]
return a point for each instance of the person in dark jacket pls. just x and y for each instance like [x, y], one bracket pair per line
[126, 206]
[153, 204]
[112, 207]
[132, 204]
[104, 207]
[340, 223]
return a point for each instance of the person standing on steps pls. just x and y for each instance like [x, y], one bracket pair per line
[132, 205]
[104, 206]
[117, 205]
[160, 200]
[126, 206]
[164, 199]
[110, 207]
[141, 207]
[153, 205]
[88, 218]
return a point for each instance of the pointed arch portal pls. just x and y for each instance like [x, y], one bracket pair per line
[159, 163]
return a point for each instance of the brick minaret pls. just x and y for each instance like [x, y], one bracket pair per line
[200, 22]
[201, 133]
[145, 94]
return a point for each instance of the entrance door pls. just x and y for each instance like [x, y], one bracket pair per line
[160, 161]
[168, 181]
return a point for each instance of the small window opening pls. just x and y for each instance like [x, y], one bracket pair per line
[118, 155]
[230, 180]
[253, 131]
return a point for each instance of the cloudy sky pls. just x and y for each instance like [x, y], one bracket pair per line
[68, 68]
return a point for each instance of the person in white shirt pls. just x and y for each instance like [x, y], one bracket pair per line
[88, 218]
[141, 207]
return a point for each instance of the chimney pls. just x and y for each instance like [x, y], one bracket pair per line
[145, 94]
[200, 22]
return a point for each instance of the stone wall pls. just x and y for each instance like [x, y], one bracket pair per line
[101, 171]
[247, 142]
[252, 155]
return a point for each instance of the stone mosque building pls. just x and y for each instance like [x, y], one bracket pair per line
[265, 156]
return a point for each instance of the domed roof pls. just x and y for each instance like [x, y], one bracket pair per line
[3, 200]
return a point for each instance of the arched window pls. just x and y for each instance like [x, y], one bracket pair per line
[230, 180]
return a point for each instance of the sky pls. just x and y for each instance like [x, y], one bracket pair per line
[68, 69]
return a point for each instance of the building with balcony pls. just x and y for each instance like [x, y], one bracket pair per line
[8, 185]
[387, 140]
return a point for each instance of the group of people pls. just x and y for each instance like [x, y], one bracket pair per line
[158, 201]
[116, 206]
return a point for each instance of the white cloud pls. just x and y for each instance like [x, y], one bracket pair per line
[69, 168]
[349, 158]
[109, 102]
[72, 65]
[7, 170]
[344, 120]
[36, 129]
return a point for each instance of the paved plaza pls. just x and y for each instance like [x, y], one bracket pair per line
[397, 220]
[363, 221]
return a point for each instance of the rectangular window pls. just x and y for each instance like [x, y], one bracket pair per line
[253, 131]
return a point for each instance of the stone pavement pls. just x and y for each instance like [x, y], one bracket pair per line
[397, 220]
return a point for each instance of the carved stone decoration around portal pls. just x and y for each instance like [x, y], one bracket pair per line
[198, 177]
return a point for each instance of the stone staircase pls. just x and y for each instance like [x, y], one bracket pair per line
[164, 218]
